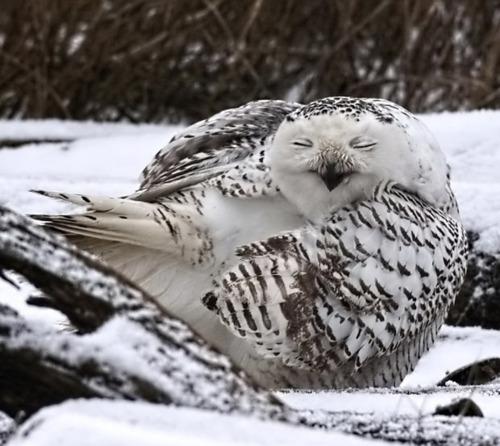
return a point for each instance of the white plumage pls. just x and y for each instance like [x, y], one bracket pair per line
[317, 246]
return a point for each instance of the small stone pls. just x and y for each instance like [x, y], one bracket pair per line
[463, 407]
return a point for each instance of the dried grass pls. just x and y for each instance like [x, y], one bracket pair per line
[156, 60]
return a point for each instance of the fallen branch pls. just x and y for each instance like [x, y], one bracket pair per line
[132, 349]
[19, 143]
[7, 427]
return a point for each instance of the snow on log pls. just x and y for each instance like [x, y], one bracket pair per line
[7, 427]
[130, 348]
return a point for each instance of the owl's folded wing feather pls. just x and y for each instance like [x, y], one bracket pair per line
[213, 147]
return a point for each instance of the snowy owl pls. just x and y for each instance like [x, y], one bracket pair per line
[318, 246]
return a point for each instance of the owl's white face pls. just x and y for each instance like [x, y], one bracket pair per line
[328, 161]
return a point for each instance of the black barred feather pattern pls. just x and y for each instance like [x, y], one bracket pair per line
[227, 140]
[368, 289]
[122, 220]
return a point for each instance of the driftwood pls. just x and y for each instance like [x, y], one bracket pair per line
[126, 347]
[39, 366]
[7, 427]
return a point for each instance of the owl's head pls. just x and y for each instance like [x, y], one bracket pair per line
[343, 147]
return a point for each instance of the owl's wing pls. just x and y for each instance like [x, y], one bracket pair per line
[227, 152]
[375, 276]
[220, 145]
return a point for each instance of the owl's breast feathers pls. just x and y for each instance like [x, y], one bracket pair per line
[374, 279]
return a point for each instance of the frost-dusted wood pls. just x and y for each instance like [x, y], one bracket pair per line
[7, 427]
[28, 379]
[39, 366]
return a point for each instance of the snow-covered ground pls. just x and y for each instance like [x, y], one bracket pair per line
[111, 423]
[107, 159]
[92, 158]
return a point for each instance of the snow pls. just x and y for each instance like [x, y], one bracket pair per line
[102, 159]
[471, 141]
[106, 159]
[110, 423]
[455, 347]
[53, 129]
[16, 299]
[7, 426]
[392, 404]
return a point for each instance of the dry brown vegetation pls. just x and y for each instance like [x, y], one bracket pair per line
[154, 60]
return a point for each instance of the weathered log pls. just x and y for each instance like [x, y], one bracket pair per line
[477, 373]
[171, 364]
[28, 379]
[7, 427]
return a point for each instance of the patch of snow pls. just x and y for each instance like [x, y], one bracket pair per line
[471, 141]
[480, 212]
[454, 348]
[391, 404]
[120, 423]
[7, 426]
[55, 129]
[16, 299]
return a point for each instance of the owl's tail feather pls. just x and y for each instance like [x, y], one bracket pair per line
[107, 219]
[101, 204]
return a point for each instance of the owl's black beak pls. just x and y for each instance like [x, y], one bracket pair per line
[332, 177]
